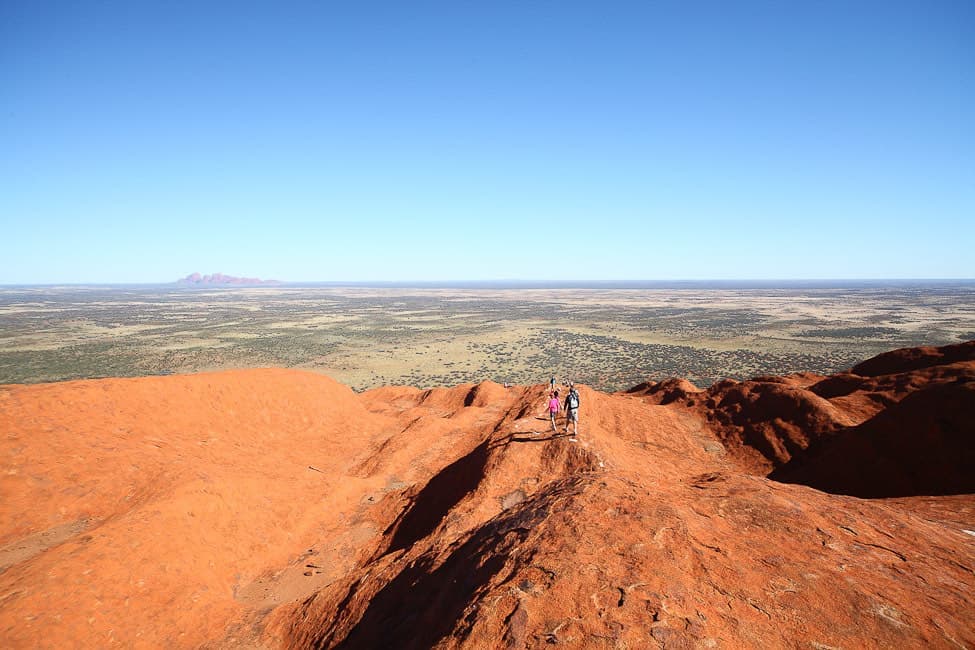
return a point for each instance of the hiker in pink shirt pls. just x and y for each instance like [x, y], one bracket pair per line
[554, 406]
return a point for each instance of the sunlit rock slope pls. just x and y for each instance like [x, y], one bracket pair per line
[277, 508]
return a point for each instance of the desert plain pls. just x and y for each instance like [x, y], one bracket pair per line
[367, 337]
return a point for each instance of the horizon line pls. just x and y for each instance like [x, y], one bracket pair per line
[573, 283]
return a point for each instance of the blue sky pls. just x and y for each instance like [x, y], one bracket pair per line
[474, 141]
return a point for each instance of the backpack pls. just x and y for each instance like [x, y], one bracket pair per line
[573, 400]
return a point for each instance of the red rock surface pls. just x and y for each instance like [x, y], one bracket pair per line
[907, 359]
[769, 423]
[664, 392]
[277, 508]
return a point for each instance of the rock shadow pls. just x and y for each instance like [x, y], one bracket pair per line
[921, 446]
[425, 602]
[437, 498]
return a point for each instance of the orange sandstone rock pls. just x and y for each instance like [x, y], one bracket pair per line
[277, 508]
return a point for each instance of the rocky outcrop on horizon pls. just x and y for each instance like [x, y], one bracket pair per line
[221, 280]
[277, 508]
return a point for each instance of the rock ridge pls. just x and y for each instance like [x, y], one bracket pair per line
[276, 508]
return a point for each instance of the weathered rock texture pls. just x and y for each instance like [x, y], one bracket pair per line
[277, 508]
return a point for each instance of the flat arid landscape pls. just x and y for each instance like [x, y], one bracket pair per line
[610, 339]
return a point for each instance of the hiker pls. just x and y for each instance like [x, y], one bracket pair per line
[572, 411]
[553, 409]
[551, 384]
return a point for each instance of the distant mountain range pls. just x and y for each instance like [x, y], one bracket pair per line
[221, 280]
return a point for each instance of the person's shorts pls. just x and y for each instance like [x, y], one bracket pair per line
[572, 415]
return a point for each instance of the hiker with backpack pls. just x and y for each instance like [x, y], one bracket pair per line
[572, 411]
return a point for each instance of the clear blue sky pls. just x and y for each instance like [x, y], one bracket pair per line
[469, 141]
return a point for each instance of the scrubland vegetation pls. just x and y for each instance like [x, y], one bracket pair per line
[365, 337]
